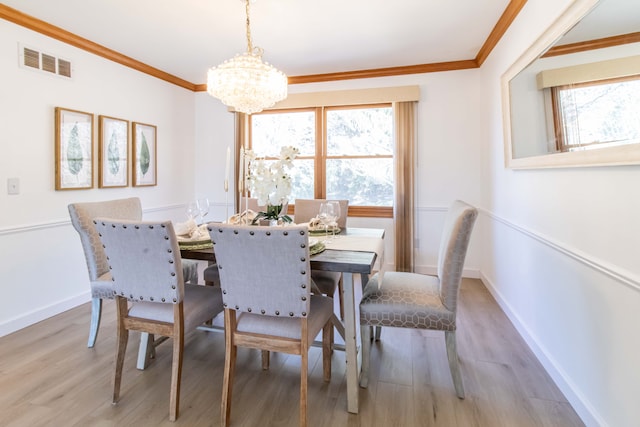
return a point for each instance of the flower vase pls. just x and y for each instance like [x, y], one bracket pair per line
[273, 211]
[273, 215]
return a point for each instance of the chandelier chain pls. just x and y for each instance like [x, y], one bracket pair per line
[249, 42]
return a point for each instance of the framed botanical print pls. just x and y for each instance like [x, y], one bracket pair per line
[73, 149]
[144, 155]
[113, 152]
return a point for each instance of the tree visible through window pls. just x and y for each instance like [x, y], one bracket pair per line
[597, 114]
[345, 153]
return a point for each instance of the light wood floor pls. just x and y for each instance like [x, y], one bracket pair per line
[49, 378]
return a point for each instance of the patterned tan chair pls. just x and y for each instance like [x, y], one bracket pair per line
[146, 269]
[265, 280]
[326, 281]
[250, 203]
[82, 216]
[411, 300]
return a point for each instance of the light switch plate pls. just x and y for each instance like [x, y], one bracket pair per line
[13, 186]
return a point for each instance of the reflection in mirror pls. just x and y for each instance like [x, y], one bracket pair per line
[579, 102]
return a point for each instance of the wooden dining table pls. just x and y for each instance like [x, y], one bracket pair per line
[353, 251]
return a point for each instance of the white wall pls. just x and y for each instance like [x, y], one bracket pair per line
[214, 133]
[449, 146]
[560, 254]
[194, 131]
[43, 271]
[448, 149]
[556, 247]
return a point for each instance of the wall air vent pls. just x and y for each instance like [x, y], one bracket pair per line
[31, 58]
[48, 63]
[64, 68]
[36, 60]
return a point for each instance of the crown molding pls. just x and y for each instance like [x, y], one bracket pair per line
[513, 9]
[593, 44]
[42, 27]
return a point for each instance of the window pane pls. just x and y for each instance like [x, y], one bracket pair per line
[302, 175]
[358, 164]
[365, 182]
[274, 130]
[600, 115]
[361, 131]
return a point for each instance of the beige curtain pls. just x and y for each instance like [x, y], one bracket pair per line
[405, 142]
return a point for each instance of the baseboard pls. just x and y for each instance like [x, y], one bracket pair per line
[43, 313]
[585, 411]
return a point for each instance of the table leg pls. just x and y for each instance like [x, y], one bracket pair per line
[351, 342]
[144, 350]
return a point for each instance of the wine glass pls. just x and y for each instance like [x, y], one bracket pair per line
[326, 216]
[192, 210]
[334, 219]
[203, 207]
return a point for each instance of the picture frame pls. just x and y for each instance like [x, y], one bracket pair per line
[73, 149]
[144, 169]
[113, 152]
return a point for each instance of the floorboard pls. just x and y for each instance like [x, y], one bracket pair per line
[48, 377]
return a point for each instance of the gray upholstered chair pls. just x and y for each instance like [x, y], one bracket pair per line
[146, 269]
[326, 281]
[265, 280]
[211, 275]
[305, 209]
[82, 216]
[411, 300]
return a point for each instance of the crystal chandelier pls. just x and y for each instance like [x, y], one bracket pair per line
[246, 83]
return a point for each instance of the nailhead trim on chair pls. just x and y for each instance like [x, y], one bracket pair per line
[260, 232]
[171, 262]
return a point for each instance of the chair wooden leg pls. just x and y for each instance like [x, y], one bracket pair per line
[176, 365]
[123, 338]
[331, 338]
[454, 367]
[365, 336]
[229, 365]
[304, 368]
[341, 299]
[265, 360]
[327, 349]
[96, 314]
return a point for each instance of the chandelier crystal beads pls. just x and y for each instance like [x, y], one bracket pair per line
[245, 82]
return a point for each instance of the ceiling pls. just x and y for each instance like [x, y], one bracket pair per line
[300, 37]
[184, 38]
[608, 18]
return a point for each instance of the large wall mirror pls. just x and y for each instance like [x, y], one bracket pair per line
[573, 98]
